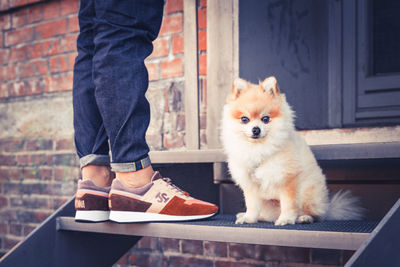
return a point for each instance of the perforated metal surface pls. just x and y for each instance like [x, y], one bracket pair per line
[330, 226]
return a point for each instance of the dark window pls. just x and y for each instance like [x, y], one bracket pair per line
[386, 36]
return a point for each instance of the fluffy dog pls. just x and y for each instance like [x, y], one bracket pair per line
[271, 162]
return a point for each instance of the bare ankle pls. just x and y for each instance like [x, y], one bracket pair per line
[101, 175]
[136, 179]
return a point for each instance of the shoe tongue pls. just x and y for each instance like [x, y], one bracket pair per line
[156, 176]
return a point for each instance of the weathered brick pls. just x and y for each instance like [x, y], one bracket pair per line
[66, 173]
[33, 86]
[45, 173]
[61, 82]
[148, 243]
[145, 259]
[9, 242]
[173, 140]
[202, 40]
[203, 3]
[18, 89]
[68, 43]
[51, 47]
[4, 174]
[73, 24]
[203, 64]
[38, 144]
[19, 18]
[177, 261]
[18, 36]
[173, 68]
[65, 159]
[33, 68]
[50, 29]
[15, 173]
[3, 229]
[169, 244]
[27, 229]
[160, 48]
[5, 21]
[5, 90]
[32, 216]
[5, 55]
[177, 44]
[51, 10]
[153, 70]
[286, 254]
[192, 246]
[3, 202]
[30, 202]
[8, 215]
[35, 14]
[202, 19]
[34, 50]
[65, 144]
[171, 24]
[228, 263]
[15, 229]
[7, 73]
[7, 160]
[11, 145]
[58, 202]
[215, 249]
[172, 6]
[59, 64]
[69, 7]
[30, 172]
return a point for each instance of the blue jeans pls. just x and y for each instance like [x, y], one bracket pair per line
[110, 81]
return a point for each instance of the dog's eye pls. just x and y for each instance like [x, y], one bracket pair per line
[244, 119]
[265, 119]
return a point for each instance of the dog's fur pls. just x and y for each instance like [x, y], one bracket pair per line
[276, 169]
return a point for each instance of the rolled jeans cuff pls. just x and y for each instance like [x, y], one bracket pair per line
[131, 166]
[93, 159]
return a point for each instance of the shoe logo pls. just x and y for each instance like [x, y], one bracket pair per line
[80, 204]
[162, 197]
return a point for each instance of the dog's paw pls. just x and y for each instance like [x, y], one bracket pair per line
[243, 217]
[284, 220]
[305, 219]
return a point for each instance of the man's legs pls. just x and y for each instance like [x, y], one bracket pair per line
[90, 137]
[124, 31]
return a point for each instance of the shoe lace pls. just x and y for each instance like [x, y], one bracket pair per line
[176, 188]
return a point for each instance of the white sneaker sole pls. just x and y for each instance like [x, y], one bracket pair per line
[129, 216]
[92, 215]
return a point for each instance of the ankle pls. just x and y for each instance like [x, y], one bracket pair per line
[136, 179]
[99, 174]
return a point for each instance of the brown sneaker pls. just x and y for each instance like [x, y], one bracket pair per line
[91, 202]
[160, 200]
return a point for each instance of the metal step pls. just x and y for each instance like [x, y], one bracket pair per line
[347, 235]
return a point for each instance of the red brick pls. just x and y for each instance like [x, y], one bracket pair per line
[3, 228]
[50, 48]
[51, 10]
[192, 247]
[35, 14]
[3, 202]
[33, 86]
[68, 44]
[177, 44]
[33, 68]
[71, 60]
[160, 48]
[19, 36]
[65, 144]
[62, 82]
[4, 56]
[19, 18]
[203, 3]
[203, 64]
[59, 64]
[27, 229]
[73, 24]
[169, 244]
[45, 173]
[18, 53]
[171, 24]
[173, 140]
[7, 160]
[4, 174]
[202, 18]
[9, 243]
[202, 40]
[5, 21]
[188, 261]
[172, 68]
[50, 29]
[69, 7]
[215, 249]
[153, 71]
[18, 89]
[172, 6]
[4, 90]
[7, 73]
[29, 173]
[34, 50]
[15, 173]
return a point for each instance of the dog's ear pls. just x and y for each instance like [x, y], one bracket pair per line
[270, 85]
[239, 85]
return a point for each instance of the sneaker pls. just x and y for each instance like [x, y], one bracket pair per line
[91, 202]
[159, 200]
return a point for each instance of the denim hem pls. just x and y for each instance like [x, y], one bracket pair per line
[131, 166]
[94, 159]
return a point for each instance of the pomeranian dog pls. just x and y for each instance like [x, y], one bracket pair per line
[272, 164]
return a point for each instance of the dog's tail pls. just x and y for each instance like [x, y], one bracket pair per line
[344, 206]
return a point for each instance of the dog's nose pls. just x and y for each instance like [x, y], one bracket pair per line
[256, 131]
